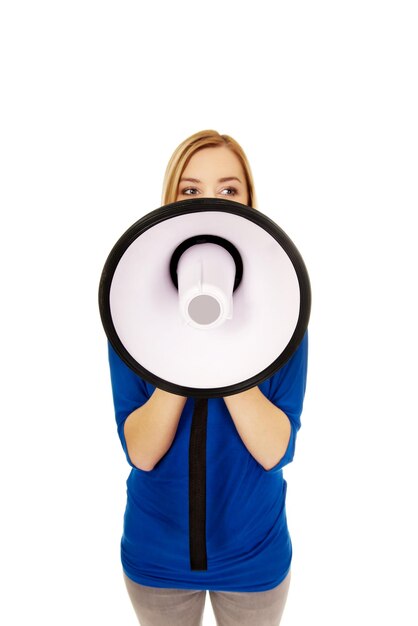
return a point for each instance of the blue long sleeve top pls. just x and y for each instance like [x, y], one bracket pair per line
[247, 538]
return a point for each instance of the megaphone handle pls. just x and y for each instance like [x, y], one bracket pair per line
[197, 485]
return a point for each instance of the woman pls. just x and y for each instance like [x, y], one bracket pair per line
[250, 437]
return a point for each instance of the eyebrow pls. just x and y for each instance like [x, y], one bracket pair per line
[220, 180]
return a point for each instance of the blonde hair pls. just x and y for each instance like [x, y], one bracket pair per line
[184, 152]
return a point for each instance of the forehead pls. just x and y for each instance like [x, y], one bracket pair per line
[214, 160]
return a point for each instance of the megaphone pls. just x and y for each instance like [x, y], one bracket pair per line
[196, 283]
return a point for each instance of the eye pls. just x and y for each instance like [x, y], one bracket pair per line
[184, 192]
[232, 189]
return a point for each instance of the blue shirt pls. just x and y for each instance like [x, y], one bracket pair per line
[247, 538]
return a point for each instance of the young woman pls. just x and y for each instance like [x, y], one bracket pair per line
[250, 437]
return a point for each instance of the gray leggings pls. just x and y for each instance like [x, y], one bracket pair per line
[156, 606]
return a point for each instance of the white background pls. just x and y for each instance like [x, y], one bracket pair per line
[323, 98]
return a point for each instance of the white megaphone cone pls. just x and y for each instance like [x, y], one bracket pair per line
[206, 275]
[205, 264]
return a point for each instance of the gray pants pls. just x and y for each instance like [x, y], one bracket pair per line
[156, 606]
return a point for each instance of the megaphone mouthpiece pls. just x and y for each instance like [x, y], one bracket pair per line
[205, 275]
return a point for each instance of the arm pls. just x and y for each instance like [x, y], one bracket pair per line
[268, 425]
[264, 428]
[146, 423]
[150, 429]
